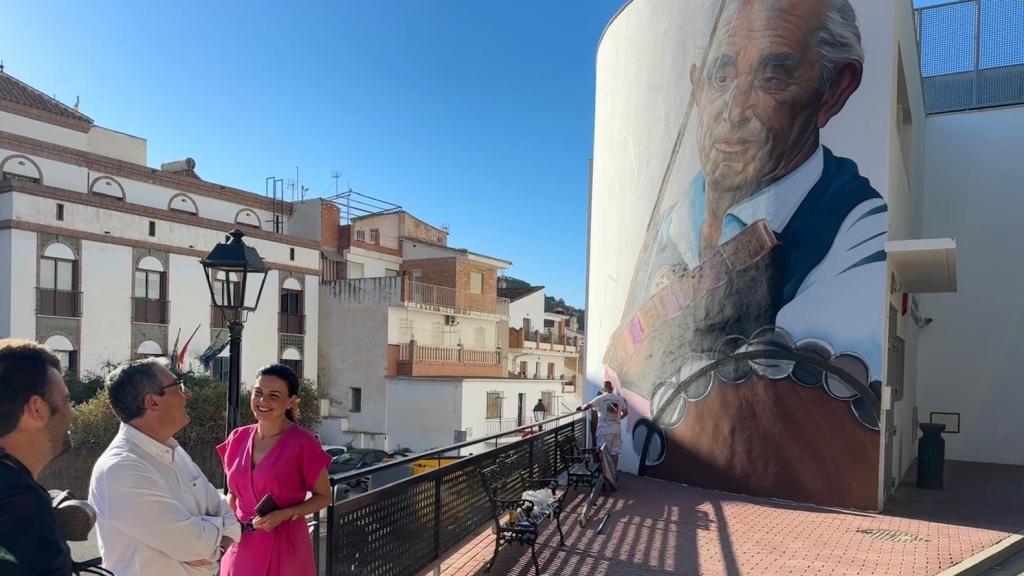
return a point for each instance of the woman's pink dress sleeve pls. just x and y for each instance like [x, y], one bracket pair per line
[314, 461]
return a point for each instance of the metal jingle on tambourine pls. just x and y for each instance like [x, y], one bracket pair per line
[805, 374]
[771, 338]
[855, 366]
[696, 389]
[647, 432]
[668, 404]
[734, 372]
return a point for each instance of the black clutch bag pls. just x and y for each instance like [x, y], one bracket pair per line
[266, 506]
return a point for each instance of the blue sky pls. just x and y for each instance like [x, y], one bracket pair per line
[474, 114]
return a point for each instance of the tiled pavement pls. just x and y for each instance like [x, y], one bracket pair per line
[664, 528]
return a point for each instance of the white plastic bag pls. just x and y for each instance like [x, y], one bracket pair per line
[542, 500]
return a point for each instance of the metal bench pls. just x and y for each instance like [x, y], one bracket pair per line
[514, 518]
[583, 465]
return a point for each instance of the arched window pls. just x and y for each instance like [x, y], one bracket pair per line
[20, 167]
[149, 349]
[150, 295]
[58, 282]
[65, 350]
[292, 319]
[292, 359]
[248, 217]
[183, 203]
[107, 186]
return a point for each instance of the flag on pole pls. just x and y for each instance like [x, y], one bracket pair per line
[179, 359]
[220, 342]
[173, 356]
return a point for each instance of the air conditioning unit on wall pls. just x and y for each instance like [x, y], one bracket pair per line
[450, 320]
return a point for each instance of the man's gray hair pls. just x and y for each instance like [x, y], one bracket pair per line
[128, 385]
[839, 39]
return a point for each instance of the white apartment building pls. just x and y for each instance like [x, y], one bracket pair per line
[99, 253]
[413, 334]
[541, 344]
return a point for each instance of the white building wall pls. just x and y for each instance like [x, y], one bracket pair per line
[56, 174]
[260, 339]
[114, 144]
[190, 307]
[967, 359]
[474, 400]
[352, 353]
[374, 265]
[43, 131]
[429, 329]
[415, 250]
[106, 282]
[423, 413]
[531, 307]
[24, 267]
[532, 358]
[310, 357]
[5, 281]
[133, 227]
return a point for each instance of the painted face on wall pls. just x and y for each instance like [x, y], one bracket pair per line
[759, 95]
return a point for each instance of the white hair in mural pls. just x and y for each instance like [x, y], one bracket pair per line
[839, 39]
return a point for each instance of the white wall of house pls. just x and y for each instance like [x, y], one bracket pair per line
[429, 329]
[57, 174]
[106, 279]
[530, 306]
[23, 284]
[386, 224]
[5, 282]
[416, 250]
[43, 131]
[967, 359]
[374, 264]
[532, 360]
[474, 400]
[353, 353]
[310, 355]
[116, 144]
[305, 220]
[423, 413]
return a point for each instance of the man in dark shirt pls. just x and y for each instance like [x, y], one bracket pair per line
[35, 415]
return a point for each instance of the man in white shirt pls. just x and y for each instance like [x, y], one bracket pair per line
[156, 511]
[611, 409]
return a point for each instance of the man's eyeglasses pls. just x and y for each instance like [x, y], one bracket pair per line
[177, 382]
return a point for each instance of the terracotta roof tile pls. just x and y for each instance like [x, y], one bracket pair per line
[17, 92]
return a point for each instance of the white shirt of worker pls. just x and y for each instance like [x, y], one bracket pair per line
[156, 510]
[837, 304]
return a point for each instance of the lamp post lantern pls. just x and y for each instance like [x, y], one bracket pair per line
[233, 270]
[538, 414]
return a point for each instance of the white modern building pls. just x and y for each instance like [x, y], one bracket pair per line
[413, 334]
[99, 252]
[540, 344]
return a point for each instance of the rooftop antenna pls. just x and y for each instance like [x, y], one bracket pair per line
[77, 100]
[335, 174]
[1, 66]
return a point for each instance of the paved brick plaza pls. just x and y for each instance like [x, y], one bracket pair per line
[663, 528]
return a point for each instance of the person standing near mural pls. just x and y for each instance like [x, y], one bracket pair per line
[611, 409]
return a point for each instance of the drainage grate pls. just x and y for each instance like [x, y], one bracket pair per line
[891, 535]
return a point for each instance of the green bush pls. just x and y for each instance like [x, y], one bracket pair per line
[83, 387]
[94, 422]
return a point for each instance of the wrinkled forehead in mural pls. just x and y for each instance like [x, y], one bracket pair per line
[754, 315]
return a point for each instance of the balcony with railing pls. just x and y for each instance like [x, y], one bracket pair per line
[413, 359]
[150, 311]
[399, 291]
[542, 340]
[65, 303]
[291, 323]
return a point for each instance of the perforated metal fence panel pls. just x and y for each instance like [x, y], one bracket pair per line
[972, 54]
[402, 529]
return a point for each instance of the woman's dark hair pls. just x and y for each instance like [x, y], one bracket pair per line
[288, 376]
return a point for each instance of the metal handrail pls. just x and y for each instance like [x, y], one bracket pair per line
[437, 452]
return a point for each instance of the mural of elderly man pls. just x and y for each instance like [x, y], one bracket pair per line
[775, 230]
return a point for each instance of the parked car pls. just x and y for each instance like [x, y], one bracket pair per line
[355, 458]
[334, 451]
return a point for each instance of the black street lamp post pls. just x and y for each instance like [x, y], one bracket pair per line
[231, 269]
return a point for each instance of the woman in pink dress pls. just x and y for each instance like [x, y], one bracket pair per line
[278, 457]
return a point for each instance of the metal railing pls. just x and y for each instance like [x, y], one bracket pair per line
[66, 303]
[149, 311]
[972, 54]
[406, 527]
[443, 298]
